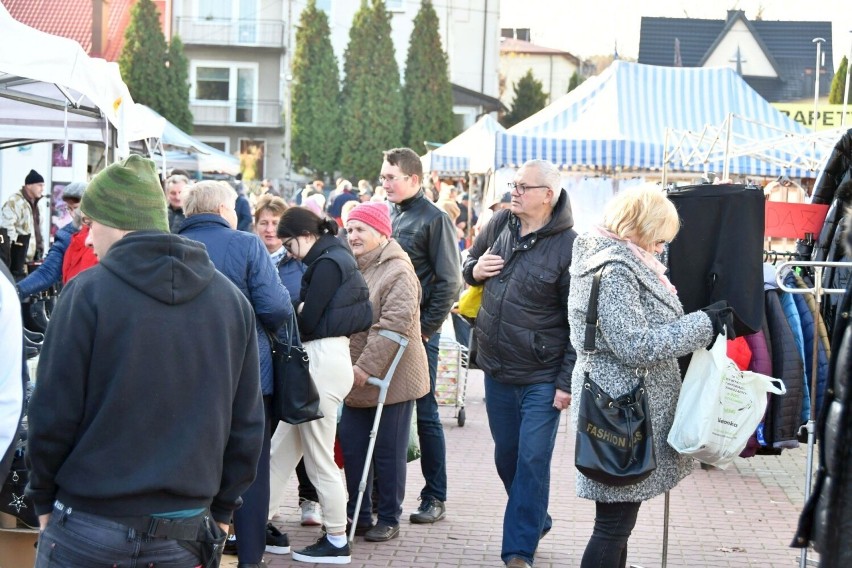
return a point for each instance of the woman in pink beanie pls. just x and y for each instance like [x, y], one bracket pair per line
[395, 296]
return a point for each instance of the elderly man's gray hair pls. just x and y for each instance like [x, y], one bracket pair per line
[547, 174]
[206, 197]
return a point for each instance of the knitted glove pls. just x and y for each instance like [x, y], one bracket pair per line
[722, 317]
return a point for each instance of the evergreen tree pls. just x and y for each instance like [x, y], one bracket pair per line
[372, 108]
[177, 79]
[835, 96]
[316, 91]
[427, 94]
[143, 58]
[529, 99]
[575, 81]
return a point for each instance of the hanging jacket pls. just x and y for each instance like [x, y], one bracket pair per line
[788, 304]
[827, 515]
[709, 264]
[807, 318]
[761, 362]
[785, 411]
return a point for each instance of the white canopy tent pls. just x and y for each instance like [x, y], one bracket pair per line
[51, 90]
[472, 151]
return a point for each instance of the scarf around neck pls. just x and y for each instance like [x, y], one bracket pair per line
[645, 257]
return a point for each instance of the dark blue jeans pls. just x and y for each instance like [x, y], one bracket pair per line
[608, 546]
[74, 539]
[523, 425]
[430, 431]
[251, 518]
[389, 459]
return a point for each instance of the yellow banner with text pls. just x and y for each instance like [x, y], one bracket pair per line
[827, 116]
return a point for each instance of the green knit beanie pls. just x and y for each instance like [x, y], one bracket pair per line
[127, 195]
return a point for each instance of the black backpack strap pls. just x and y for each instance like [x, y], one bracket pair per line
[592, 312]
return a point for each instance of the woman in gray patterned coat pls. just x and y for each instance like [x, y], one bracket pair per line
[641, 325]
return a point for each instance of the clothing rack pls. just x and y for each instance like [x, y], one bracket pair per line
[772, 256]
[818, 292]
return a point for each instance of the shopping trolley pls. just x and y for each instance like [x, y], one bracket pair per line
[451, 380]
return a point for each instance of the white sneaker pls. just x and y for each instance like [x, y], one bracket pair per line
[311, 513]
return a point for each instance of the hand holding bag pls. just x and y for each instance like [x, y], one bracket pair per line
[719, 406]
[295, 398]
[614, 441]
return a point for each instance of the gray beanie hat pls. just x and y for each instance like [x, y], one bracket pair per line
[74, 190]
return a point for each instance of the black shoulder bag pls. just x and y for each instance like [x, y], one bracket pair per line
[614, 443]
[295, 398]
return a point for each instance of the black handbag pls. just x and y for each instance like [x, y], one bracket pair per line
[12, 498]
[614, 443]
[295, 398]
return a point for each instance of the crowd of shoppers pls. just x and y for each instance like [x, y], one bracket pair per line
[184, 419]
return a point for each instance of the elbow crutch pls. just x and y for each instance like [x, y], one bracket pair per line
[383, 385]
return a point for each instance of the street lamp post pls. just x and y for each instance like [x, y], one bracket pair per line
[846, 87]
[818, 41]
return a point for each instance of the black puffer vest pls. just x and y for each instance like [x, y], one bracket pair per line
[350, 310]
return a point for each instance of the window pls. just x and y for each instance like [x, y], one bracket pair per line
[225, 91]
[214, 9]
[212, 83]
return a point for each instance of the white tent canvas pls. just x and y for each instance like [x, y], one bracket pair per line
[50, 89]
[618, 120]
[471, 151]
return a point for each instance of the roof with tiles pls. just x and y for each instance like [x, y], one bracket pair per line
[789, 44]
[73, 19]
[512, 45]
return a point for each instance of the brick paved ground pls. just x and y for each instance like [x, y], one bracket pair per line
[742, 517]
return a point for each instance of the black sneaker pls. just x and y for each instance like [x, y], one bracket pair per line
[430, 511]
[276, 541]
[230, 545]
[323, 552]
[382, 533]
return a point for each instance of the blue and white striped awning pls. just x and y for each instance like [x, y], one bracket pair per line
[619, 118]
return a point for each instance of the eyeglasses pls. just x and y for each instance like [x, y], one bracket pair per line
[391, 179]
[522, 188]
[288, 244]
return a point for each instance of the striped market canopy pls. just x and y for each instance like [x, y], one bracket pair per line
[618, 119]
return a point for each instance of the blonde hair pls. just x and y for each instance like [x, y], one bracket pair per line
[347, 207]
[271, 203]
[206, 197]
[642, 214]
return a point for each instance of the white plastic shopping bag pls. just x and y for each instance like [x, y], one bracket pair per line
[719, 407]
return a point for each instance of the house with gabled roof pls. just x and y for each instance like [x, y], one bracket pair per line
[553, 67]
[776, 58]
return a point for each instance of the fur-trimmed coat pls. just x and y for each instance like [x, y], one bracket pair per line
[640, 325]
[395, 296]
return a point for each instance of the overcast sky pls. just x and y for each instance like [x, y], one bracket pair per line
[592, 27]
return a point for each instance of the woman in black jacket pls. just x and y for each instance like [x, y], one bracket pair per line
[333, 304]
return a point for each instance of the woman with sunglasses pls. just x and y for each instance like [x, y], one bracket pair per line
[334, 303]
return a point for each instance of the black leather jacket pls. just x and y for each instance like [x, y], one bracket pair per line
[429, 238]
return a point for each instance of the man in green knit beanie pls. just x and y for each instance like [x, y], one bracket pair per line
[141, 436]
[126, 196]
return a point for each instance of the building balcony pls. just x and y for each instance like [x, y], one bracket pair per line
[248, 33]
[260, 114]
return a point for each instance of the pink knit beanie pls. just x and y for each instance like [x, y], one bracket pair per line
[375, 215]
